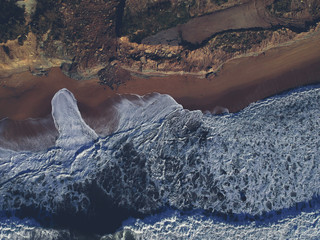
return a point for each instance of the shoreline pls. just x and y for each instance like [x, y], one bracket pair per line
[240, 82]
[25, 99]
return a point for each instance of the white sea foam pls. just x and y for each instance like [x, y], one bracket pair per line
[26, 229]
[178, 226]
[73, 131]
[262, 159]
[146, 110]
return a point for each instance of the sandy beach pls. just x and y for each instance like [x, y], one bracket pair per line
[239, 83]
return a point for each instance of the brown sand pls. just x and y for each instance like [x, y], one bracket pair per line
[239, 83]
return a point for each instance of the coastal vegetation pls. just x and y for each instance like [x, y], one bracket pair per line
[285, 8]
[161, 16]
[153, 19]
[219, 2]
[241, 41]
[282, 6]
[46, 16]
[12, 21]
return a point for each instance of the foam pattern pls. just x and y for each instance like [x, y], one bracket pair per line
[16, 229]
[178, 226]
[73, 131]
[263, 159]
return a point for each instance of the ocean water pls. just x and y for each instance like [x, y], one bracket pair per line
[252, 174]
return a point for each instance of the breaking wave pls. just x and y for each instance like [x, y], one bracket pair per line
[258, 161]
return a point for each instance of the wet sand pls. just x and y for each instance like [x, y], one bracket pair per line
[239, 83]
[29, 134]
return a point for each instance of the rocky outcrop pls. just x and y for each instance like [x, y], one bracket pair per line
[205, 60]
